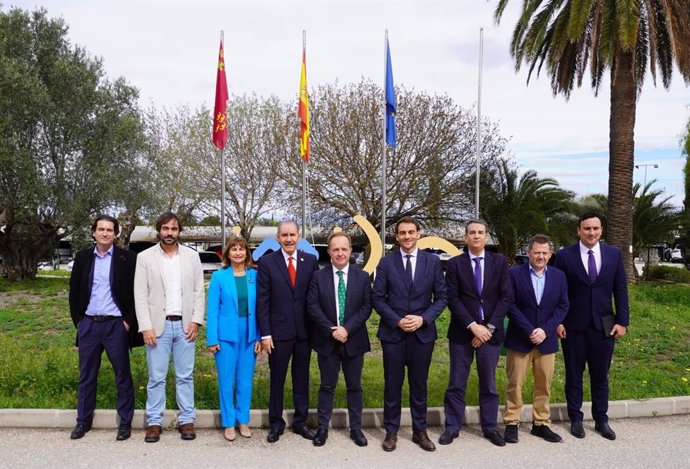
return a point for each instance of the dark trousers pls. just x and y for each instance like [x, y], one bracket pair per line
[278, 361]
[329, 366]
[461, 356]
[416, 356]
[594, 349]
[94, 338]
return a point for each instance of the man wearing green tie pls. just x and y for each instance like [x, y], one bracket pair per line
[339, 304]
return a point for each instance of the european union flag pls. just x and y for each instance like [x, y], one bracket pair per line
[390, 100]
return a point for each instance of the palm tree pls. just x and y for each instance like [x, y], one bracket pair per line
[654, 219]
[625, 37]
[517, 207]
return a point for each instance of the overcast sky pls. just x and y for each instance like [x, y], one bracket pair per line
[168, 50]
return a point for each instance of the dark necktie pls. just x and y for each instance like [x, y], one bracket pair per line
[408, 267]
[291, 271]
[478, 280]
[341, 297]
[591, 267]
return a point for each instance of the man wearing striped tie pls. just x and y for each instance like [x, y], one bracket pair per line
[339, 304]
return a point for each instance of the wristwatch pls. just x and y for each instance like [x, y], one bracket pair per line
[491, 328]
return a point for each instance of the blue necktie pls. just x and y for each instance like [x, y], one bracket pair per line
[591, 267]
[408, 267]
[478, 280]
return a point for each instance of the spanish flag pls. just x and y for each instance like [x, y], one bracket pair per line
[303, 110]
[220, 112]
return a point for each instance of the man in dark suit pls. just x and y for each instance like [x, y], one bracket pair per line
[409, 294]
[283, 281]
[101, 301]
[540, 304]
[595, 274]
[479, 295]
[339, 304]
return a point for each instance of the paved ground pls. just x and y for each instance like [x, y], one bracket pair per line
[661, 442]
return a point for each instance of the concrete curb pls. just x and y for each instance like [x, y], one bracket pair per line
[62, 418]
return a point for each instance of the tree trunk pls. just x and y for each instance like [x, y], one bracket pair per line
[22, 247]
[622, 157]
[128, 222]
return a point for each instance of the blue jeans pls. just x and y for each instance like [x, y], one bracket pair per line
[172, 340]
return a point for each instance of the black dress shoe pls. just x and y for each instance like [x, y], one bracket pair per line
[123, 432]
[79, 431]
[320, 437]
[422, 439]
[495, 438]
[274, 435]
[447, 437]
[604, 430]
[390, 442]
[358, 437]
[304, 432]
[576, 429]
[543, 431]
[511, 434]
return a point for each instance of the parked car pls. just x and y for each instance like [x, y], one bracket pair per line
[678, 253]
[210, 261]
[70, 264]
[45, 265]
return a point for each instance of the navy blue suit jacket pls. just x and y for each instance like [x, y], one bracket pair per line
[321, 306]
[394, 298]
[280, 307]
[464, 299]
[590, 301]
[526, 315]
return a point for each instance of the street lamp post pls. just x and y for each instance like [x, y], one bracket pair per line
[638, 166]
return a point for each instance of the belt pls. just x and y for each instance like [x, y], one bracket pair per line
[102, 318]
[173, 318]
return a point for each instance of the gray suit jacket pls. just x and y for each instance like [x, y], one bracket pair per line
[149, 289]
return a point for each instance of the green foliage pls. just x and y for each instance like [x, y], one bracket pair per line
[518, 207]
[664, 272]
[64, 131]
[654, 220]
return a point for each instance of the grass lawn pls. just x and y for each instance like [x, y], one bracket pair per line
[40, 367]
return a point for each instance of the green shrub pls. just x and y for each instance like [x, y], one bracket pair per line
[664, 272]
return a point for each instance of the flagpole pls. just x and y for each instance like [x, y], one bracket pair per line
[305, 228]
[383, 147]
[479, 122]
[222, 172]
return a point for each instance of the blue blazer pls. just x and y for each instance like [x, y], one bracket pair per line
[394, 298]
[526, 315]
[282, 308]
[321, 306]
[222, 309]
[590, 301]
[464, 299]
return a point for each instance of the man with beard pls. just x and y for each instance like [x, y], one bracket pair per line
[169, 299]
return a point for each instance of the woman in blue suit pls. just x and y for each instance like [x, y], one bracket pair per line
[232, 334]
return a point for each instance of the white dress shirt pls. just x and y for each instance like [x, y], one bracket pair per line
[173, 282]
[584, 255]
[336, 279]
[413, 259]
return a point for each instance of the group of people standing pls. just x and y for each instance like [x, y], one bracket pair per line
[287, 307]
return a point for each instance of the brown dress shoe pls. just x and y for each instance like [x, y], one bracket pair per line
[422, 439]
[153, 434]
[187, 431]
[390, 442]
